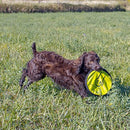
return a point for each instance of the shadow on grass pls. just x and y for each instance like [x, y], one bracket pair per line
[120, 87]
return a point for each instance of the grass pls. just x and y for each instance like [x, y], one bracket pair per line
[44, 105]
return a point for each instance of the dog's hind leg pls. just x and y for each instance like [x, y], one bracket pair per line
[37, 78]
[23, 77]
[29, 83]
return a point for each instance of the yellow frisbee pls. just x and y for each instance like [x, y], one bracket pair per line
[98, 82]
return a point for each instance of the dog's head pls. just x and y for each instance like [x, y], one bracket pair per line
[89, 61]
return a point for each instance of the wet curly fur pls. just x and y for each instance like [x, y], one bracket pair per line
[69, 74]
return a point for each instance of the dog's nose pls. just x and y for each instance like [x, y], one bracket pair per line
[98, 68]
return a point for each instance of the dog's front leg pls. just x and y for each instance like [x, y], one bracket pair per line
[79, 88]
[79, 85]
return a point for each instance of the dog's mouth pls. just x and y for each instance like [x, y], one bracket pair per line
[99, 68]
[96, 68]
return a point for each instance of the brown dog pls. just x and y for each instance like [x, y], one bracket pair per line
[67, 73]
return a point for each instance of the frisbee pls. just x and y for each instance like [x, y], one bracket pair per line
[98, 82]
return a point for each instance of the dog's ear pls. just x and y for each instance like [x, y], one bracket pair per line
[81, 63]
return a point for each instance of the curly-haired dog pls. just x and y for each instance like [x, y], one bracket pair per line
[67, 73]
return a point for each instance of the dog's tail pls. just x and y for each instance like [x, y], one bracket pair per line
[34, 49]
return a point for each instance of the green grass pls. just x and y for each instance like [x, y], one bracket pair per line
[44, 105]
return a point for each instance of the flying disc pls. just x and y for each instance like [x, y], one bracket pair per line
[98, 82]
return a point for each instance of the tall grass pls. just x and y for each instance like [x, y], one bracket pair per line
[42, 8]
[44, 105]
[60, 7]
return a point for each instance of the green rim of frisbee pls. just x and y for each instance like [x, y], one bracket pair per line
[98, 82]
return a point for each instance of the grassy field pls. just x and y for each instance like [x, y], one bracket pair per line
[44, 105]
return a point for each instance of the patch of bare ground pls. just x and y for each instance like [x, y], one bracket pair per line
[61, 1]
